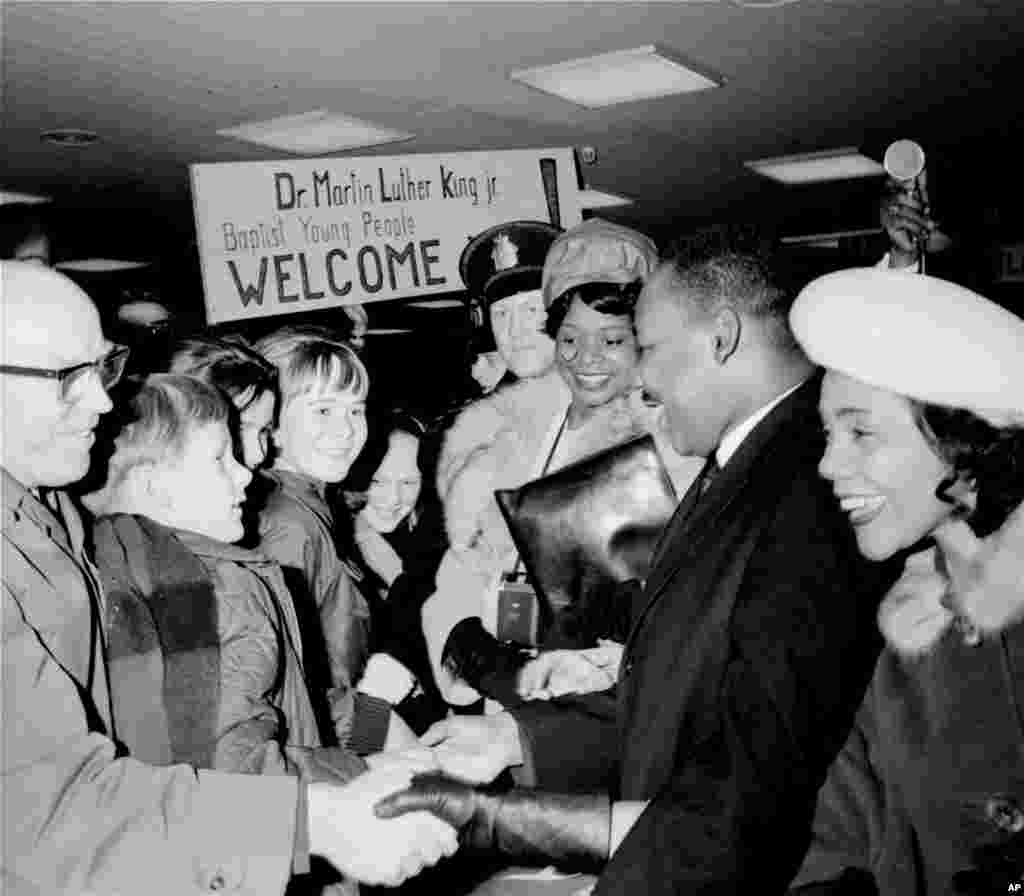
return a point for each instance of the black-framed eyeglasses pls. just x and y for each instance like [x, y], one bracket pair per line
[108, 370]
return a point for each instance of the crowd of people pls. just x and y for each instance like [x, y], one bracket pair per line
[254, 622]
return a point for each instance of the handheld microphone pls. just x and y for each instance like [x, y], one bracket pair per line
[904, 161]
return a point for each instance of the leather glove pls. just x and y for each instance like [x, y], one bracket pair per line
[570, 831]
[473, 654]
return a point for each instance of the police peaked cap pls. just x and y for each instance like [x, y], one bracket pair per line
[506, 259]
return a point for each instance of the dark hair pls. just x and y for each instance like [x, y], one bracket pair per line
[21, 222]
[990, 458]
[380, 427]
[227, 363]
[608, 298]
[742, 281]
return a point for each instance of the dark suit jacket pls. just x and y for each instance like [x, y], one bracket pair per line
[752, 644]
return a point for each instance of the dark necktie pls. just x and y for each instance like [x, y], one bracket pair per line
[707, 475]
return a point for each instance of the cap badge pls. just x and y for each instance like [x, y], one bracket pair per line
[505, 253]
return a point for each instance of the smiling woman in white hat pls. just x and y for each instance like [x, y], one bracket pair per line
[923, 406]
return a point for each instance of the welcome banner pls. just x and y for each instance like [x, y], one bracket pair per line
[304, 234]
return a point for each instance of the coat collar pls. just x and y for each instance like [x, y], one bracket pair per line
[782, 431]
[298, 485]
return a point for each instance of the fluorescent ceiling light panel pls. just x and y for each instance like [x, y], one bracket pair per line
[817, 167]
[590, 198]
[100, 265]
[10, 197]
[642, 73]
[315, 132]
[437, 303]
[387, 331]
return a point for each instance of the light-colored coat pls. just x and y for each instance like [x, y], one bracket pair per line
[500, 442]
[77, 817]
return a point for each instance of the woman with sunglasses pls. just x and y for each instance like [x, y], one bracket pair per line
[587, 403]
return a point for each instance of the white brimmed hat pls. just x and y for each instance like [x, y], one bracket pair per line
[918, 336]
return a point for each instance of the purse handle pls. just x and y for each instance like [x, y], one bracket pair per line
[514, 575]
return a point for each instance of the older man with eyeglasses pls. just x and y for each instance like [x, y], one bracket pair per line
[78, 815]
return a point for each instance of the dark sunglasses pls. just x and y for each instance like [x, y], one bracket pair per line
[71, 379]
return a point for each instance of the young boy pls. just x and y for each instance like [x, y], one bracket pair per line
[321, 429]
[204, 652]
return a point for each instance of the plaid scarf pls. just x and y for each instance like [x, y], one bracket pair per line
[162, 641]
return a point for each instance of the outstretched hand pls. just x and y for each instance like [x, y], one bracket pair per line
[475, 748]
[344, 829]
[555, 673]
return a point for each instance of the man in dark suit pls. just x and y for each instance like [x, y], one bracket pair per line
[753, 638]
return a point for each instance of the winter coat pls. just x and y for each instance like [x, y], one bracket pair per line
[297, 530]
[79, 815]
[205, 655]
[934, 769]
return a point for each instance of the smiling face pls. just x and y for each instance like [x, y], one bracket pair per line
[202, 490]
[596, 355]
[256, 425]
[518, 326]
[48, 322]
[320, 433]
[396, 484]
[881, 467]
[678, 367]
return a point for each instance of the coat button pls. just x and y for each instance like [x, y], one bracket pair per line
[1005, 814]
[627, 669]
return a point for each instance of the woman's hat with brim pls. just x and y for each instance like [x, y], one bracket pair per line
[506, 259]
[918, 336]
[597, 251]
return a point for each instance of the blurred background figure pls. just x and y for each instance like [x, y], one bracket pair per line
[26, 232]
[399, 539]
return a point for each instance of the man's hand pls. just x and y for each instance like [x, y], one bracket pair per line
[907, 220]
[557, 672]
[344, 829]
[475, 748]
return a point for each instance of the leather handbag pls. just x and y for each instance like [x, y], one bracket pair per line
[584, 530]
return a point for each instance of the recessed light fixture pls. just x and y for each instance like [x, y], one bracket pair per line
[590, 198]
[622, 76]
[100, 265]
[817, 167]
[315, 132]
[73, 138]
[437, 303]
[11, 197]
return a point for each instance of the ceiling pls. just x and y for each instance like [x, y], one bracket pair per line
[157, 79]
